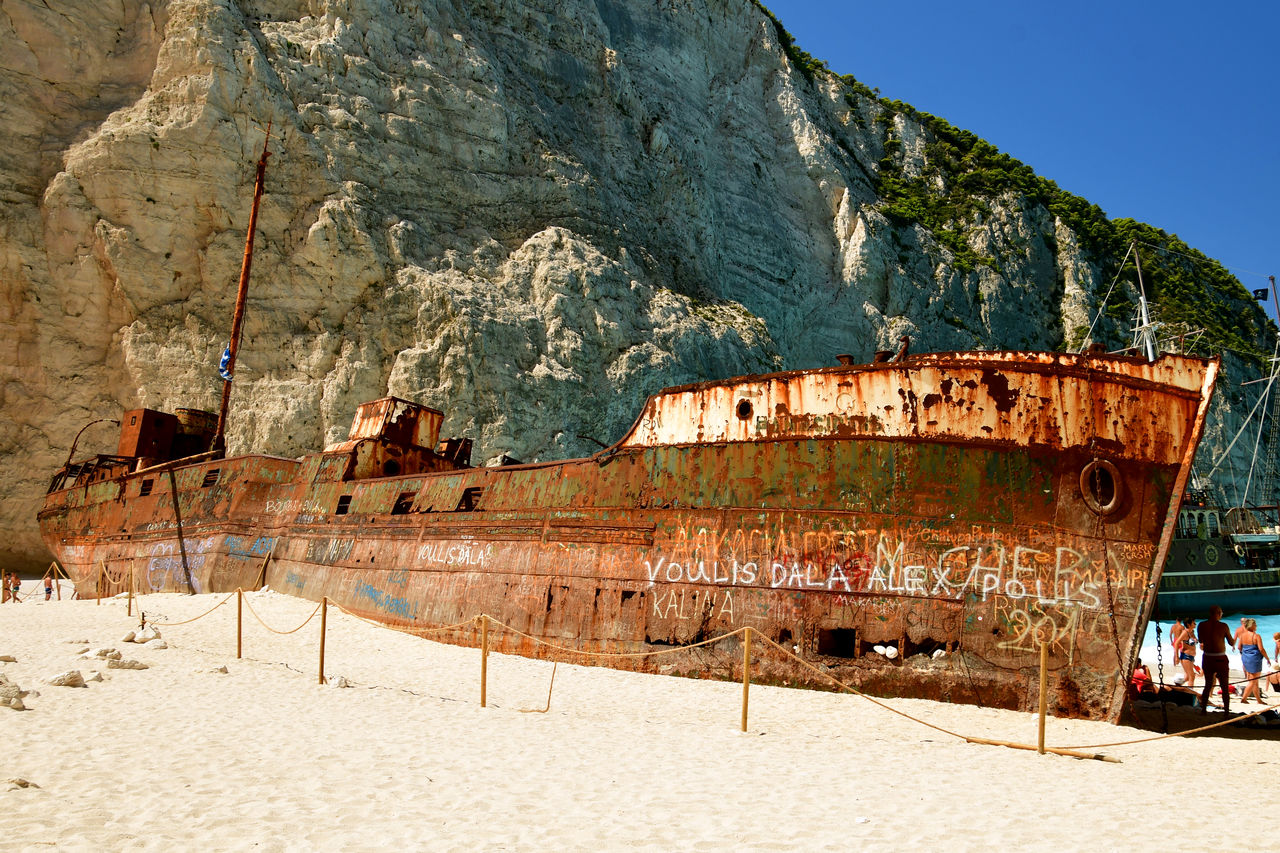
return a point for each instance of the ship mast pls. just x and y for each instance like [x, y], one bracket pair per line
[1144, 333]
[228, 368]
[1269, 472]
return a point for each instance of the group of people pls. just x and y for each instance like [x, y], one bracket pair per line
[11, 585]
[1213, 637]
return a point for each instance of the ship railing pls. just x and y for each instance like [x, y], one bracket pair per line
[82, 473]
[178, 463]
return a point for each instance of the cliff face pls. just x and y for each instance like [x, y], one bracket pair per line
[528, 214]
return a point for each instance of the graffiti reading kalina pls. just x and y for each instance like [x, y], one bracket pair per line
[918, 526]
[953, 509]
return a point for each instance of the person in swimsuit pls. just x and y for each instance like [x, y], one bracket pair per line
[1143, 686]
[48, 587]
[1214, 636]
[1252, 653]
[1274, 678]
[1187, 650]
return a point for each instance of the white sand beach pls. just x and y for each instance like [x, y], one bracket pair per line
[183, 756]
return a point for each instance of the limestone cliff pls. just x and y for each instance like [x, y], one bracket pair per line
[529, 214]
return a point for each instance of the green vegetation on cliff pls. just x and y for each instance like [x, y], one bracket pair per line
[963, 176]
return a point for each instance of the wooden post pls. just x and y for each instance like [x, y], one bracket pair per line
[746, 673]
[177, 519]
[1073, 753]
[102, 570]
[1044, 688]
[484, 659]
[262, 572]
[324, 614]
[57, 581]
[240, 629]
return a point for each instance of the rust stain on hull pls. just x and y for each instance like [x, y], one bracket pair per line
[954, 507]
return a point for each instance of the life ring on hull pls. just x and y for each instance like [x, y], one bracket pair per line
[1101, 486]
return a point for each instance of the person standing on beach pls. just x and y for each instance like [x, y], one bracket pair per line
[1252, 654]
[14, 586]
[1215, 636]
[1274, 678]
[48, 586]
[1186, 645]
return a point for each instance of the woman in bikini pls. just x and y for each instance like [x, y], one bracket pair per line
[1252, 653]
[1187, 650]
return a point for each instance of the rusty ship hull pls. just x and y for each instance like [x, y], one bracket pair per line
[914, 528]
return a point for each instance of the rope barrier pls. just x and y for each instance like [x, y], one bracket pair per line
[828, 677]
[855, 691]
[568, 650]
[549, 689]
[112, 579]
[201, 616]
[249, 605]
[404, 629]
[58, 574]
[1196, 688]
[1216, 725]
[787, 653]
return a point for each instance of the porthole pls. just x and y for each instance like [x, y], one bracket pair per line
[1101, 487]
[744, 410]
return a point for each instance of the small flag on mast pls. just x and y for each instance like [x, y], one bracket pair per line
[1261, 293]
[224, 363]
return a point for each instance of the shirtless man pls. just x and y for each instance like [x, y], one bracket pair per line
[1215, 636]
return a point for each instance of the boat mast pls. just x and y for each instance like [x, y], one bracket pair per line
[1269, 472]
[1144, 333]
[228, 370]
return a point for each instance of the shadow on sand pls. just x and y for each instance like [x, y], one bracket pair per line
[1177, 714]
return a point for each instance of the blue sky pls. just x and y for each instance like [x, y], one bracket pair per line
[1164, 113]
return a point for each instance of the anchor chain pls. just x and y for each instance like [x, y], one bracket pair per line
[1159, 654]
